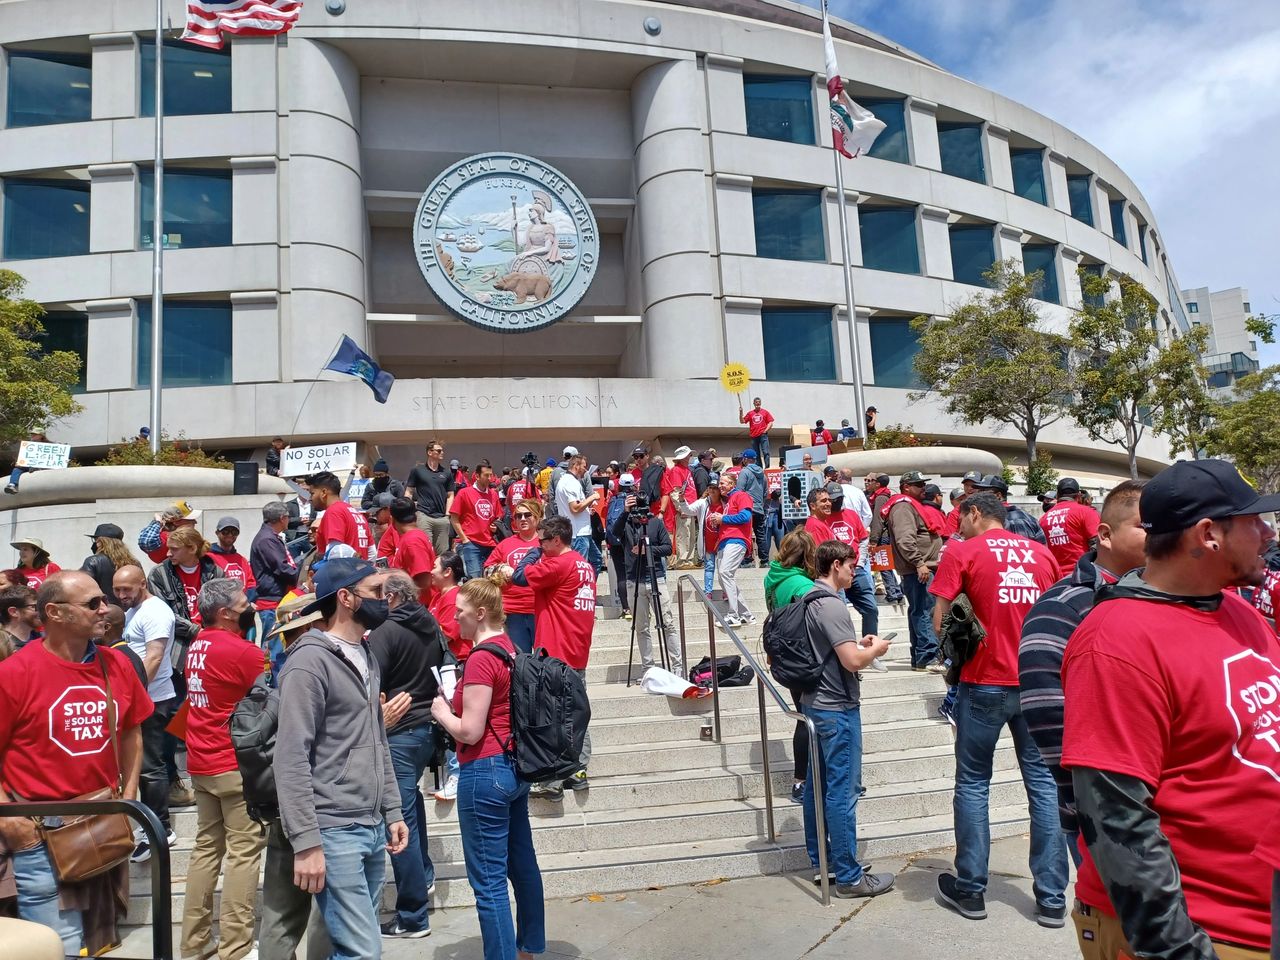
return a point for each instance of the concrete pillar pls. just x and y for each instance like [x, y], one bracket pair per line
[832, 220]
[254, 200]
[935, 242]
[726, 105]
[253, 73]
[115, 75]
[995, 141]
[682, 324]
[1102, 208]
[744, 334]
[255, 337]
[1009, 243]
[845, 337]
[922, 129]
[111, 356]
[735, 215]
[1072, 295]
[1057, 183]
[113, 205]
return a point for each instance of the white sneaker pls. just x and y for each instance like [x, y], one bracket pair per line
[878, 666]
[450, 789]
[729, 621]
[750, 620]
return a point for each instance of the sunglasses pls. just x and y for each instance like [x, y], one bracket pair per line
[523, 516]
[93, 604]
[545, 539]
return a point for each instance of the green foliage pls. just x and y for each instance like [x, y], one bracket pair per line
[897, 435]
[1039, 476]
[1007, 474]
[992, 361]
[1247, 431]
[173, 453]
[35, 387]
[1183, 406]
[1262, 326]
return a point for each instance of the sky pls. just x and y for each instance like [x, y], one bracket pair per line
[1184, 96]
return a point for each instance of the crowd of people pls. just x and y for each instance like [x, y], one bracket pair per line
[1101, 639]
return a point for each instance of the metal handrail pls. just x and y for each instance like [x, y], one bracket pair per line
[763, 682]
[161, 919]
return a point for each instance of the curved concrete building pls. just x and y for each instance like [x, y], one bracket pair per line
[697, 133]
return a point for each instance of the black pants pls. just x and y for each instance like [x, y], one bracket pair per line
[154, 781]
[617, 560]
[800, 743]
[757, 531]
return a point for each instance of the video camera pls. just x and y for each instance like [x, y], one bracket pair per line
[530, 459]
[639, 513]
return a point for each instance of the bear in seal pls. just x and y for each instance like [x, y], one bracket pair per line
[526, 286]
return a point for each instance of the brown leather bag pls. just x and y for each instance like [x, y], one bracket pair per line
[84, 847]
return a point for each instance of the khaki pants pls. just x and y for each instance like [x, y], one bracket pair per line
[438, 529]
[686, 544]
[1101, 938]
[223, 828]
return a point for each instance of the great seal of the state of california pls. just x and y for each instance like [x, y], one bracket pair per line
[506, 242]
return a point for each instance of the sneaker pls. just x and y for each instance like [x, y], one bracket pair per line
[937, 667]
[181, 795]
[141, 853]
[797, 792]
[626, 614]
[1052, 917]
[449, 792]
[578, 781]
[729, 621]
[431, 890]
[871, 885]
[971, 906]
[171, 839]
[393, 929]
[10, 488]
[947, 712]
[750, 620]
[547, 791]
[831, 874]
[879, 666]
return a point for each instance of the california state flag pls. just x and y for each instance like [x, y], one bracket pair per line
[852, 127]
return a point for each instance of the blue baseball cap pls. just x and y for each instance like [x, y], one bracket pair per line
[337, 574]
[748, 454]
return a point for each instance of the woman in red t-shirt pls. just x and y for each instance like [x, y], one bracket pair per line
[446, 575]
[33, 561]
[493, 803]
[177, 582]
[517, 601]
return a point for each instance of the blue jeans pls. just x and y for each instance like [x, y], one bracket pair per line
[590, 552]
[840, 740]
[709, 572]
[38, 898]
[497, 842]
[520, 630]
[924, 642]
[760, 445]
[981, 713]
[892, 592]
[354, 868]
[473, 558]
[863, 597]
[16, 474]
[411, 751]
[1073, 846]
[774, 531]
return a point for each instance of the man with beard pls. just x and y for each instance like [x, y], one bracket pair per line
[381, 483]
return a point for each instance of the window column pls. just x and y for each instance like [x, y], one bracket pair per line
[255, 337]
[735, 214]
[254, 200]
[115, 75]
[936, 241]
[253, 74]
[1059, 198]
[999, 167]
[726, 103]
[113, 193]
[922, 127]
[1072, 296]
[844, 349]
[851, 198]
[744, 333]
[110, 363]
[1009, 244]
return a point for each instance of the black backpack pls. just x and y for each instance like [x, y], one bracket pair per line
[793, 662]
[549, 714]
[253, 736]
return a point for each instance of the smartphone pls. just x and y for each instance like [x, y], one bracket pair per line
[889, 636]
[381, 563]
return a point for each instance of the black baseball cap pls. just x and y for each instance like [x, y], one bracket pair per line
[108, 530]
[973, 476]
[1068, 487]
[1192, 490]
[993, 481]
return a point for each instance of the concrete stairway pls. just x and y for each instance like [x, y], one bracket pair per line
[665, 807]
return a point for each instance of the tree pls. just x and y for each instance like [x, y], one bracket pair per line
[993, 362]
[35, 386]
[1247, 431]
[1182, 394]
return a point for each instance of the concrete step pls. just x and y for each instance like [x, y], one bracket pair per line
[617, 701]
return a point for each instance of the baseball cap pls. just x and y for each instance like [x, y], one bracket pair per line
[820, 423]
[913, 476]
[228, 522]
[932, 490]
[380, 502]
[106, 530]
[993, 481]
[453, 464]
[1068, 486]
[1192, 490]
[707, 455]
[626, 480]
[973, 476]
[872, 410]
[337, 574]
[570, 451]
[551, 461]
[829, 469]
[748, 454]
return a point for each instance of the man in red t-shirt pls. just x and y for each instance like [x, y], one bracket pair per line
[564, 613]
[340, 524]
[758, 421]
[233, 564]
[221, 666]
[733, 521]
[820, 435]
[1002, 574]
[56, 741]
[414, 553]
[1070, 527]
[677, 483]
[1171, 729]
[474, 514]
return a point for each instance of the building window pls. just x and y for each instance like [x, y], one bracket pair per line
[892, 142]
[1219, 379]
[1117, 222]
[1028, 174]
[1247, 308]
[1194, 307]
[45, 218]
[960, 146]
[779, 108]
[894, 346]
[197, 343]
[70, 332]
[1142, 242]
[196, 80]
[973, 251]
[1043, 257]
[1079, 193]
[789, 224]
[197, 207]
[1096, 300]
[798, 344]
[889, 239]
[48, 88]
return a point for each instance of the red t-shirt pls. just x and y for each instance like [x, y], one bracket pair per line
[36, 577]
[515, 598]
[191, 585]
[1069, 527]
[1267, 597]
[739, 500]
[415, 556]
[1003, 575]
[951, 527]
[236, 567]
[1185, 700]
[388, 542]
[488, 670]
[758, 421]
[1268, 848]
[564, 606]
[54, 740]
[221, 667]
[341, 524]
[817, 437]
[521, 489]
[475, 511]
[847, 527]
[444, 607]
[676, 478]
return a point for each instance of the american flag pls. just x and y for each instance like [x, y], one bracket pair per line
[208, 20]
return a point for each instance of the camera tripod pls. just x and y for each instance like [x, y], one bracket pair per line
[655, 604]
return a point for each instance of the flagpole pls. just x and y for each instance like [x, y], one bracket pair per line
[859, 398]
[157, 239]
[307, 396]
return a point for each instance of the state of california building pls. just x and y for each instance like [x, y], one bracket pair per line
[683, 147]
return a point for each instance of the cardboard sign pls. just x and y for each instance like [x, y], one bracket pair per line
[43, 456]
[795, 457]
[795, 485]
[304, 461]
[735, 377]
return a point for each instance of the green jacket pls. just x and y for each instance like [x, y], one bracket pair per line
[784, 584]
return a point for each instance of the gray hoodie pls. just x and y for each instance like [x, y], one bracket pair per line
[751, 479]
[332, 765]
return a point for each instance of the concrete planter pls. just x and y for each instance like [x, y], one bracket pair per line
[89, 484]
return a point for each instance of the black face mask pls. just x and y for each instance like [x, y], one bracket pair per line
[247, 620]
[371, 613]
[381, 483]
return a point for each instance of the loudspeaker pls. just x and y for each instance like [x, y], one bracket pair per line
[245, 482]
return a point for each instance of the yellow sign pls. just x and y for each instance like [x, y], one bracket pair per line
[735, 377]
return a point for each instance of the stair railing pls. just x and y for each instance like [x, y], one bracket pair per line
[763, 685]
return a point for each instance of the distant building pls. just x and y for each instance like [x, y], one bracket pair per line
[1232, 351]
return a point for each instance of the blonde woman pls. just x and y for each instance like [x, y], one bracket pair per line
[177, 582]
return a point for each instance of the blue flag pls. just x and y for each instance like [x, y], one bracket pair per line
[354, 362]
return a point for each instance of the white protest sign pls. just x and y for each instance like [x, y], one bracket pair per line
[304, 461]
[43, 456]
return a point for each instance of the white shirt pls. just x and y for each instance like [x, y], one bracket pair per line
[152, 621]
[567, 491]
[355, 655]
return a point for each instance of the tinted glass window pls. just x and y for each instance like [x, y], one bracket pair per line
[1142, 241]
[779, 108]
[197, 343]
[1093, 269]
[1117, 222]
[972, 253]
[894, 346]
[196, 80]
[1028, 174]
[798, 344]
[197, 207]
[45, 218]
[789, 224]
[1193, 307]
[48, 88]
[1081, 201]
[892, 142]
[1042, 257]
[889, 238]
[67, 331]
[960, 145]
